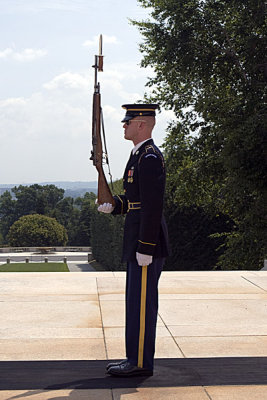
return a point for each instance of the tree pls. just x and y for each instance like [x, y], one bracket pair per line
[68, 215]
[208, 58]
[106, 240]
[36, 199]
[87, 208]
[107, 235]
[27, 200]
[48, 200]
[37, 230]
[7, 213]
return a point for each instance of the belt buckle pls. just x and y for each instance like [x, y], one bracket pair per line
[134, 205]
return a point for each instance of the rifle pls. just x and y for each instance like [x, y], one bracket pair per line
[104, 194]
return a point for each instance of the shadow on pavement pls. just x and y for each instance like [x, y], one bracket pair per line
[169, 372]
[75, 267]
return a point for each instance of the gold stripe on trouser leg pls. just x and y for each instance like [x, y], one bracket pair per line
[142, 317]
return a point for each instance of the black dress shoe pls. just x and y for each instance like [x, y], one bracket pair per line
[126, 369]
[113, 364]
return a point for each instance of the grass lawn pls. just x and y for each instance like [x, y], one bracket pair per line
[34, 267]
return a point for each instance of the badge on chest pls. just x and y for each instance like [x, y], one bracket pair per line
[130, 175]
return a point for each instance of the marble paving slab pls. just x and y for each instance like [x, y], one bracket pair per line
[202, 284]
[52, 349]
[236, 346]
[260, 281]
[76, 314]
[171, 393]
[213, 312]
[67, 394]
[211, 336]
[41, 283]
[255, 392]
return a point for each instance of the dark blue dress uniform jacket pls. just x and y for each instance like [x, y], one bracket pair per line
[145, 229]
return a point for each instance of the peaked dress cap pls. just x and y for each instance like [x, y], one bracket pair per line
[139, 110]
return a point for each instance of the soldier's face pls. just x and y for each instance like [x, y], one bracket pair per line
[131, 130]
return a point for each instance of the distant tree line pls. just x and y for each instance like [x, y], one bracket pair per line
[48, 200]
[40, 216]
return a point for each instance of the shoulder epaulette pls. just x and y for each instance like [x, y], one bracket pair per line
[151, 151]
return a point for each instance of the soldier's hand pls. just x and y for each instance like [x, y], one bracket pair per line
[143, 259]
[105, 208]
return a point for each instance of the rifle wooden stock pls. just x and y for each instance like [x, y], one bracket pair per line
[104, 194]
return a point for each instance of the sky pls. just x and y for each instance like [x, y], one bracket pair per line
[47, 50]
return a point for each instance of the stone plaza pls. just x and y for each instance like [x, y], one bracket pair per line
[58, 330]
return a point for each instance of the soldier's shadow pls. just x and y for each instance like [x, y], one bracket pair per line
[126, 385]
[72, 395]
[37, 376]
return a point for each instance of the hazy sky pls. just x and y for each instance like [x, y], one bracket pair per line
[47, 48]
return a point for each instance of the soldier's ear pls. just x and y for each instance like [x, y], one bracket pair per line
[141, 125]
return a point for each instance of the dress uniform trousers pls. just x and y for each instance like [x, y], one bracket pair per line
[133, 309]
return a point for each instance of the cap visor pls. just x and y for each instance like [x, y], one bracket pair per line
[128, 118]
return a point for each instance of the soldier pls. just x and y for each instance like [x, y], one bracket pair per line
[145, 243]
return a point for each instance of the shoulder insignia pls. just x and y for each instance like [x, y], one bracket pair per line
[150, 151]
[149, 147]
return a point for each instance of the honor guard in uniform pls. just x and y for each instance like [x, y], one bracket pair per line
[145, 244]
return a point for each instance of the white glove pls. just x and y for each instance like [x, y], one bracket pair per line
[106, 208]
[143, 259]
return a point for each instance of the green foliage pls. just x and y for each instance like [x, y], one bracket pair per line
[106, 240]
[68, 215]
[117, 187]
[190, 230]
[37, 230]
[27, 200]
[87, 208]
[107, 236]
[47, 200]
[7, 213]
[36, 199]
[208, 58]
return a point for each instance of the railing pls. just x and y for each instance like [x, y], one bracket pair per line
[44, 250]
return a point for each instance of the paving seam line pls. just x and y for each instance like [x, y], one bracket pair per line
[172, 336]
[205, 390]
[254, 284]
[102, 324]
